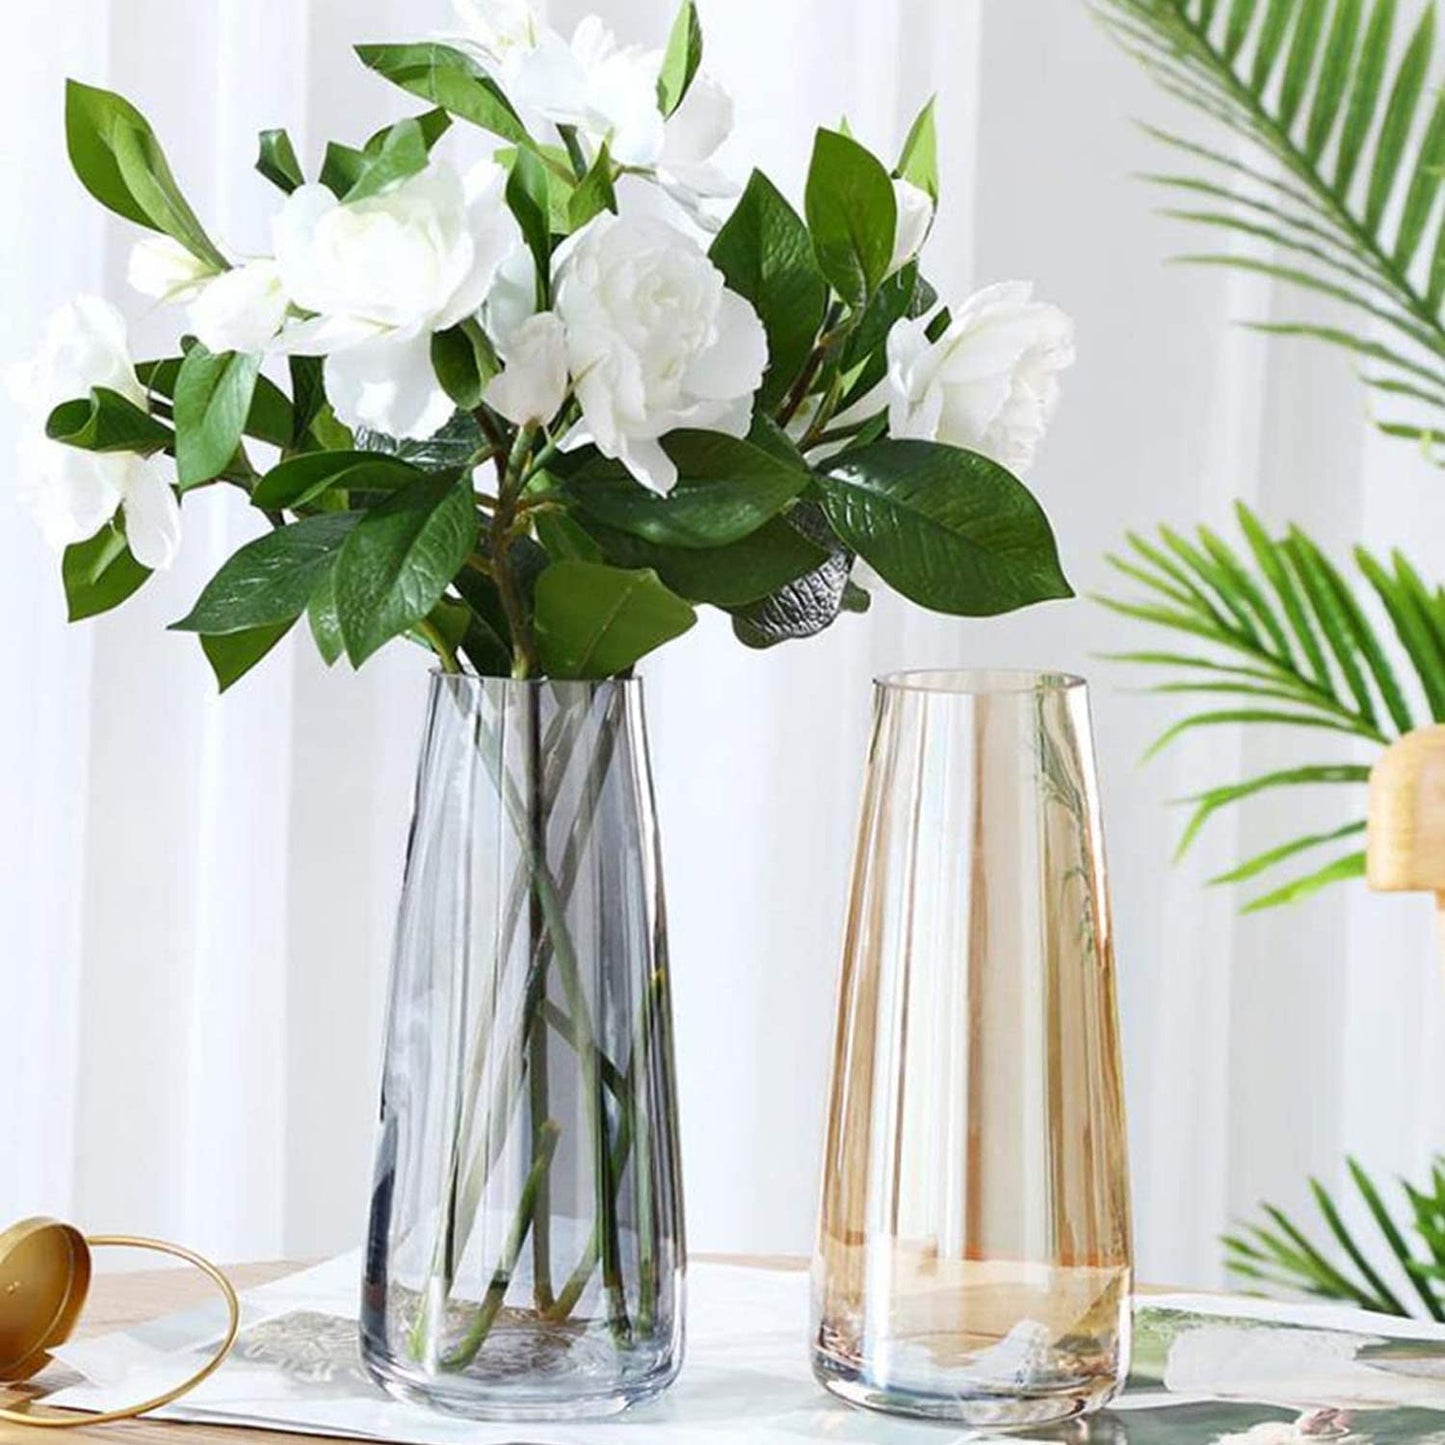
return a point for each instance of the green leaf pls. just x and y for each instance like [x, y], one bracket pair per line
[464, 362]
[853, 216]
[565, 539]
[278, 163]
[1263, 862]
[681, 59]
[308, 390]
[450, 79]
[107, 422]
[1394, 1239]
[324, 621]
[919, 162]
[765, 253]
[271, 580]
[233, 654]
[809, 604]
[951, 530]
[726, 490]
[100, 573]
[398, 561]
[728, 576]
[118, 159]
[401, 151]
[594, 193]
[271, 419]
[300, 480]
[213, 400]
[596, 622]
[1208, 804]
[528, 199]
[1365, 93]
[1399, 118]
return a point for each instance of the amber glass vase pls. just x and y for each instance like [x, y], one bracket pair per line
[974, 1255]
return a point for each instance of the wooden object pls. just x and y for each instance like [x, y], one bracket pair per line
[1406, 847]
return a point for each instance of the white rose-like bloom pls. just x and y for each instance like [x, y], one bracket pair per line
[382, 275]
[241, 309]
[71, 492]
[533, 386]
[655, 341]
[164, 270]
[990, 383]
[493, 28]
[915, 220]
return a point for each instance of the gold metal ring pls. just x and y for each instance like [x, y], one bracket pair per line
[71, 1421]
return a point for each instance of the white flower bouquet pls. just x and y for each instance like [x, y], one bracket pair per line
[532, 412]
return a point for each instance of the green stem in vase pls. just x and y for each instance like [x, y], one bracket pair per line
[491, 1305]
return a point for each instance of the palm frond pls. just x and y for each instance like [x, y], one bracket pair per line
[1348, 204]
[1289, 641]
[1279, 1255]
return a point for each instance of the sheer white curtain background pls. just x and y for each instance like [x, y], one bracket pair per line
[197, 893]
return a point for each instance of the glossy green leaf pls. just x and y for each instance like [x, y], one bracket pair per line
[450, 79]
[528, 198]
[852, 215]
[681, 59]
[118, 159]
[213, 401]
[271, 580]
[233, 654]
[766, 254]
[324, 621]
[107, 422]
[464, 362]
[726, 490]
[594, 193]
[918, 163]
[277, 161]
[595, 621]
[100, 573]
[397, 562]
[300, 480]
[951, 530]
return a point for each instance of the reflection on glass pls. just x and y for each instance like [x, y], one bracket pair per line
[974, 1257]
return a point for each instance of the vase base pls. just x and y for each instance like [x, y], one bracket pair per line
[477, 1397]
[981, 1410]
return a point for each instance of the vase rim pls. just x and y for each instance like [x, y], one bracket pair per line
[477, 680]
[981, 682]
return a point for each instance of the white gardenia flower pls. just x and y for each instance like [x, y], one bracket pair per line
[165, 270]
[382, 275]
[241, 309]
[915, 220]
[533, 386]
[989, 383]
[692, 137]
[493, 28]
[71, 492]
[655, 341]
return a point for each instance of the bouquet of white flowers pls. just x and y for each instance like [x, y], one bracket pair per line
[531, 413]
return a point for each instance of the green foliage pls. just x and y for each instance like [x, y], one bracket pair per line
[213, 401]
[681, 60]
[100, 574]
[1288, 640]
[949, 529]
[449, 79]
[277, 161]
[853, 216]
[595, 621]
[1347, 209]
[118, 159]
[107, 422]
[1279, 1254]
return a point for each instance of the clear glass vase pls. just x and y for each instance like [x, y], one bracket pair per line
[974, 1254]
[525, 1255]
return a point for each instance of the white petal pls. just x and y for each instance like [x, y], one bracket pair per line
[513, 297]
[304, 274]
[734, 365]
[915, 220]
[241, 310]
[162, 268]
[534, 384]
[84, 346]
[152, 512]
[388, 384]
[321, 335]
[699, 126]
[652, 466]
[71, 493]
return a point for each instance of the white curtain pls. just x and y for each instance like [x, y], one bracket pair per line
[196, 894]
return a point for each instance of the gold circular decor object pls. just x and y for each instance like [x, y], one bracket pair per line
[44, 1278]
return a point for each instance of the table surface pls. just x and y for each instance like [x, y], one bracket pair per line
[119, 1300]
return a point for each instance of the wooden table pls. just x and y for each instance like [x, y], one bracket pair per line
[120, 1300]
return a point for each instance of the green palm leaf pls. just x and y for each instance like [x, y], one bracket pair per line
[1358, 143]
[1288, 641]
